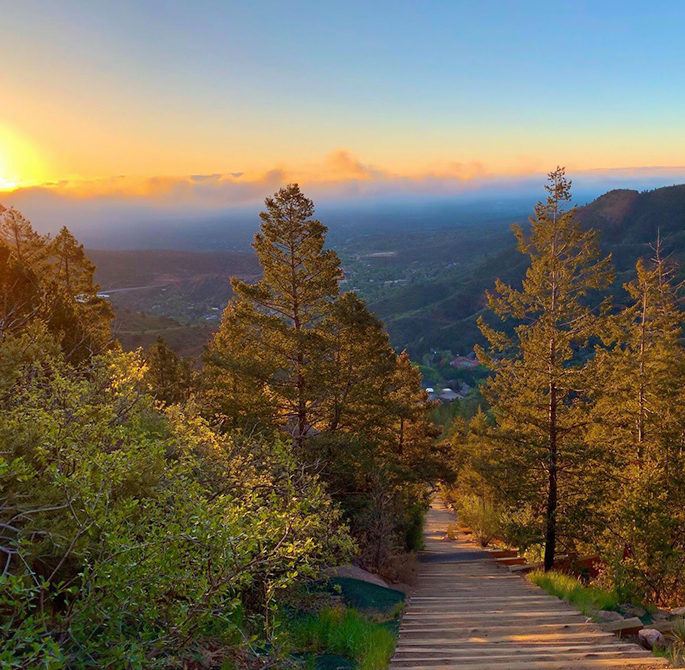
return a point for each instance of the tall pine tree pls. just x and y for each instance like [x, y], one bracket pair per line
[270, 340]
[540, 372]
[639, 416]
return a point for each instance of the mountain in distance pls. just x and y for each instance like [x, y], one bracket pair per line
[629, 222]
[426, 282]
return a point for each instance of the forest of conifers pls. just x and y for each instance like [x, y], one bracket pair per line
[154, 513]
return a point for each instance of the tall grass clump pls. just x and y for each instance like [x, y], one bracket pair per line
[346, 632]
[568, 588]
[676, 650]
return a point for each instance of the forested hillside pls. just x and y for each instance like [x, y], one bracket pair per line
[446, 317]
[154, 515]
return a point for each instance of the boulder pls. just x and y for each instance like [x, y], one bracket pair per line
[659, 615]
[678, 611]
[651, 638]
[632, 610]
[353, 572]
[606, 615]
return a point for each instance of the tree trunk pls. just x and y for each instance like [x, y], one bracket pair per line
[552, 479]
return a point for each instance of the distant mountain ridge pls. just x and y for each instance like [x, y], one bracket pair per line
[626, 216]
[629, 222]
[421, 315]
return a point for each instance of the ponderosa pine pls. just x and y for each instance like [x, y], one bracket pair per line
[638, 418]
[539, 371]
[52, 280]
[270, 340]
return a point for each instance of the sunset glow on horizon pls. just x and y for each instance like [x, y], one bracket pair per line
[322, 94]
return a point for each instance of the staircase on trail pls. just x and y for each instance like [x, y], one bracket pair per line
[469, 612]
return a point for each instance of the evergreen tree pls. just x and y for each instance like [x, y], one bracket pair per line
[639, 416]
[20, 293]
[412, 430]
[52, 281]
[169, 376]
[28, 247]
[358, 367]
[280, 317]
[72, 268]
[539, 371]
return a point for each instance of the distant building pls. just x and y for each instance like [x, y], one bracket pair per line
[464, 363]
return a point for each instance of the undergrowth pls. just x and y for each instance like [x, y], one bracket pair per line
[346, 632]
[566, 587]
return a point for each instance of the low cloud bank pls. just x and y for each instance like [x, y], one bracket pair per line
[340, 178]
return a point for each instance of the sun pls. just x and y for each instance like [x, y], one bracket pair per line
[20, 162]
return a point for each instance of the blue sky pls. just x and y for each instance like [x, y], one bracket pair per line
[408, 91]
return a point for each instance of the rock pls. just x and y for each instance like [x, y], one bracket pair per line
[651, 639]
[678, 611]
[353, 572]
[606, 615]
[659, 616]
[632, 610]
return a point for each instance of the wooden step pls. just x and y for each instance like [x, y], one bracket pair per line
[626, 627]
[617, 663]
[479, 614]
[503, 553]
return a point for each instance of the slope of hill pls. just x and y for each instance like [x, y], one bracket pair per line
[138, 329]
[427, 284]
[122, 269]
[628, 217]
[629, 221]
[190, 287]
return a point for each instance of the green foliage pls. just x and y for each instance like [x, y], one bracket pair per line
[566, 587]
[537, 392]
[481, 515]
[132, 535]
[50, 281]
[337, 630]
[583, 441]
[320, 370]
[676, 649]
[638, 417]
[170, 377]
[279, 378]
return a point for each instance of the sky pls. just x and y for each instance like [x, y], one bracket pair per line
[163, 104]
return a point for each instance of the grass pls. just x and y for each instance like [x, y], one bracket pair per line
[676, 650]
[346, 632]
[568, 588]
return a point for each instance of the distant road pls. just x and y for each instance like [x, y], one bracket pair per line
[129, 288]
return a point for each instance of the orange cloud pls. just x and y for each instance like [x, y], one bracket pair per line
[339, 175]
[347, 165]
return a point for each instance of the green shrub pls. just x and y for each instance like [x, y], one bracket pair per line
[480, 515]
[138, 535]
[566, 587]
[413, 535]
[676, 650]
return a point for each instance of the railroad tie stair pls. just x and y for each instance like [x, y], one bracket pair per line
[469, 612]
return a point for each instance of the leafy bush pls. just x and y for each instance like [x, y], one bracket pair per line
[132, 536]
[566, 587]
[480, 515]
[413, 534]
[676, 649]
